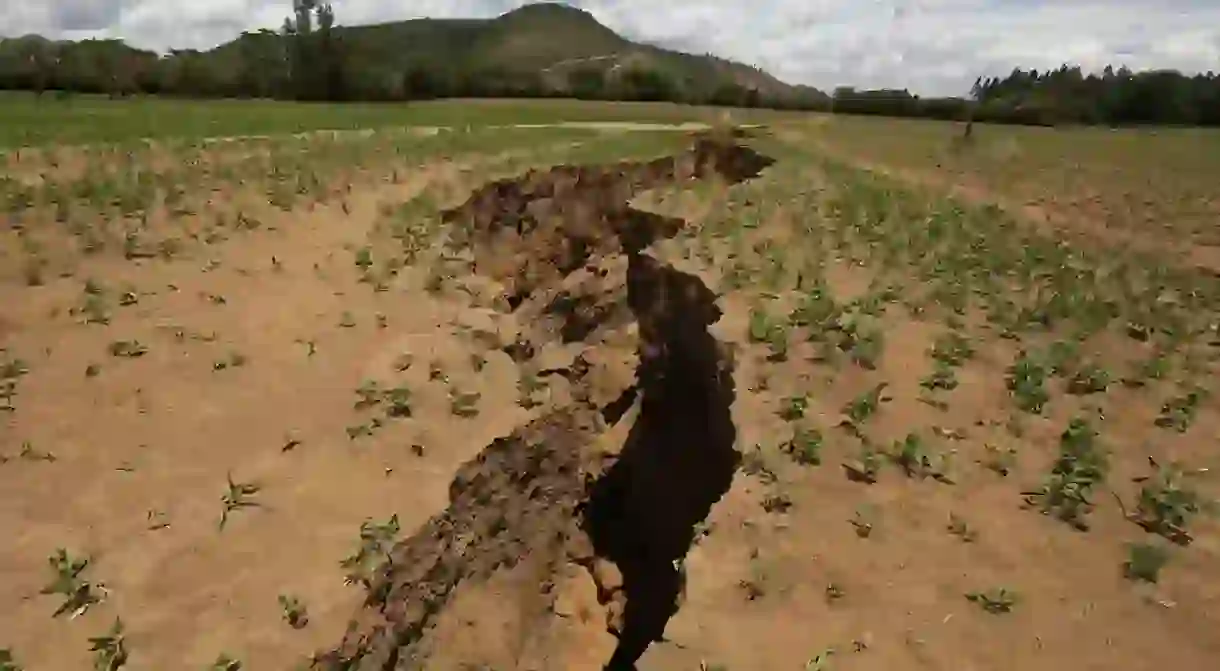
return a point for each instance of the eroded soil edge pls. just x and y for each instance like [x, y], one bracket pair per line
[569, 250]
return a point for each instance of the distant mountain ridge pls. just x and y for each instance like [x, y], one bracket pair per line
[545, 48]
[549, 39]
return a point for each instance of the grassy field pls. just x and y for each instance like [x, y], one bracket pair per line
[1151, 187]
[972, 419]
[29, 121]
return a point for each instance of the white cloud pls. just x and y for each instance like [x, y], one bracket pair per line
[930, 46]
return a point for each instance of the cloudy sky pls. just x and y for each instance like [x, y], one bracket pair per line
[931, 46]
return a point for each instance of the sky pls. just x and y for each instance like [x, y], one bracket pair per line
[933, 47]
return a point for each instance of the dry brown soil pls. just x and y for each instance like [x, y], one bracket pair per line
[637, 512]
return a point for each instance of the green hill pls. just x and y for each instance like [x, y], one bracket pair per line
[538, 49]
[548, 41]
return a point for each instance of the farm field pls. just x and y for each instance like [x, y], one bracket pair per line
[1150, 188]
[26, 120]
[563, 398]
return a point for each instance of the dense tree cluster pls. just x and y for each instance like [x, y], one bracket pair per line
[1062, 96]
[1113, 97]
[309, 59]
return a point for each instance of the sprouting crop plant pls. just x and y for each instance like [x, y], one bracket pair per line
[376, 539]
[805, 447]
[294, 611]
[237, 496]
[1167, 502]
[917, 461]
[69, 582]
[1178, 413]
[1082, 465]
[11, 370]
[1027, 383]
[110, 650]
[864, 406]
[995, 601]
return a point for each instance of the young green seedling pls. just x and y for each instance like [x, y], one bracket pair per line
[915, 460]
[11, 370]
[1179, 413]
[1027, 382]
[805, 447]
[398, 402]
[110, 651]
[363, 430]
[866, 347]
[942, 377]
[376, 539]
[759, 325]
[295, 613]
[79, 594]
[369, 394]
[1081, 466]
[995, 601]
[237, 496]
[794, 407]
[865, 405]
[951, 349]
[1167, 503]
[1089, 379]
[93, 307]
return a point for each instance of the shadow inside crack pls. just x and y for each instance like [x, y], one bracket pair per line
[679, 456]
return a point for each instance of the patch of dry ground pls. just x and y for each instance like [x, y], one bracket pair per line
[613, 416]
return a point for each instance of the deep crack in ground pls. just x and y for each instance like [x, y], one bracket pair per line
[535, 495]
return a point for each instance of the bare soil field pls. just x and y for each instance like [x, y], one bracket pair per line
[564, 399]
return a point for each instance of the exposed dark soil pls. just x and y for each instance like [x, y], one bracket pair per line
[543, 495]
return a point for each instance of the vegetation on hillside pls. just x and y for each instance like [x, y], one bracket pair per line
[1063, 95]
[552, 50]
[540, 50]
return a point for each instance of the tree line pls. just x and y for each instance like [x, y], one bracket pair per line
[308, 59]
[1062, 96]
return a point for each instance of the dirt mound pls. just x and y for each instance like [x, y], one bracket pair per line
[543, 495]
